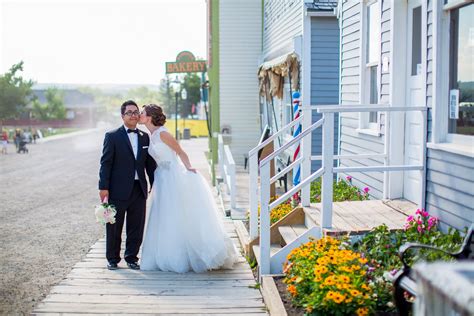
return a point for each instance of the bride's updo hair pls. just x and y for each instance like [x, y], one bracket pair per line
[156, 114]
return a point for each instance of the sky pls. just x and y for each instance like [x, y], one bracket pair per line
[99, 41]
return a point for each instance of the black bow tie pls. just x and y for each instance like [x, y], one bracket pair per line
[132, 131]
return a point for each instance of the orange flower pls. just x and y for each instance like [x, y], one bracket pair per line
[292, 290]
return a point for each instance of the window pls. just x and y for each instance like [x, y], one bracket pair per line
[416, 43]
[370, 64]
[461, 103]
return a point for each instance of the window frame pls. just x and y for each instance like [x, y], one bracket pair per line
[442, 139]
[365, 125]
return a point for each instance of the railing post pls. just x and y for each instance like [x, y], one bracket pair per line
[306, 154]
[232, 185]
[220, 155]
[264, 267]
[327, 163]
[386, 160]
[424, 135]
[253, 195]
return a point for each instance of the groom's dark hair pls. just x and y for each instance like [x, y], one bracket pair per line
[124, 106]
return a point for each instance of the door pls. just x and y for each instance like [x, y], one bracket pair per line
[414, 97]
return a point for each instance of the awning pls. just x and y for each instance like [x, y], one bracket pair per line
[272, 73]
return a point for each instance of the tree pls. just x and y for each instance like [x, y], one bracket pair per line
[192, 84]
[143, 95]
[15, 93]
[53, 108]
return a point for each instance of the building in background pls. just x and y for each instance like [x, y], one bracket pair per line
[234, 47]
[300, 53]
[395, 53]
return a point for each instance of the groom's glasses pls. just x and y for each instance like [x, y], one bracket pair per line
[130, 113]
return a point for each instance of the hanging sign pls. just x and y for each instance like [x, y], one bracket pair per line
[454, 104]
[185, 62]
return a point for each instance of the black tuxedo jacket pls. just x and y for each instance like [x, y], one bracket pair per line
[118, 164]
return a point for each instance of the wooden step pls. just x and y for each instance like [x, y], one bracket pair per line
[274, 248]
[291, 232]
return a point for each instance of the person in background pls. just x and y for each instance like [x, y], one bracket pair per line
[17, 138]
[4, 142]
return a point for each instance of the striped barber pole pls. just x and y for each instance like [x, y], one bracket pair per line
[297, 131]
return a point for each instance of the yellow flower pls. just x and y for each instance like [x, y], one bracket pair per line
[344, 279]
[363, 260]
[329, 281]
[362, 311]
[338, 298]
[355, 292]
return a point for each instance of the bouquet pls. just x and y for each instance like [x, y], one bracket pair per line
[105, 213]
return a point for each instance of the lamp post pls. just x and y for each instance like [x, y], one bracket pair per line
[176, 116]
[184, 96]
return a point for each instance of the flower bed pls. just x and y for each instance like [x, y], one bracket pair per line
[334, 277]
[343, 190]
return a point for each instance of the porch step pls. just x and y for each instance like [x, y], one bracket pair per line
[291, 232]
[274, 248]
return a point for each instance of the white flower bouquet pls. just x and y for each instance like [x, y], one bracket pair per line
[105, 213]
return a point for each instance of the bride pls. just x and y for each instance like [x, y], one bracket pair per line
[184, 232]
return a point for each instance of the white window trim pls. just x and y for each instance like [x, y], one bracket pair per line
[366, 127]
[441, 138]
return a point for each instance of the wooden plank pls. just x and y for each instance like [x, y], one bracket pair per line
[152, 299]
[242, 292]
[134, 314]
[144, 309]
[272, 297]
[287, 233]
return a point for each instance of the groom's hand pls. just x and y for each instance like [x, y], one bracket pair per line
[104, 195]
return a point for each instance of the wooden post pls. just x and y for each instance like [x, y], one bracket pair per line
[327, 163]
[267, 150]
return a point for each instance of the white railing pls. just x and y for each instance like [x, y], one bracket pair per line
[326, 171]
[227, 169]
[253, 175]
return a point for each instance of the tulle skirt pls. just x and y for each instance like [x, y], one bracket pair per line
[184, 231]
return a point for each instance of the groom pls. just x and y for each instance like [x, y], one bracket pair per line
[122, 183]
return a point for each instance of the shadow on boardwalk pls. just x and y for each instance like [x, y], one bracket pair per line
[91, 288]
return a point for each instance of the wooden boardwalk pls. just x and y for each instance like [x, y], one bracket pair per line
[92, 289]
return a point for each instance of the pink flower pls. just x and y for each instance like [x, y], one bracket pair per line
[418, 212]
[424, 214]
[410, 218]
[366, 190]
[419, 229]
[349, 178]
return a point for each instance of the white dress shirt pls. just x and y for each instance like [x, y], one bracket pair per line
[133, 137]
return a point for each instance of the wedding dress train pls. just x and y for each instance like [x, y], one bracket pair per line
[184, 231]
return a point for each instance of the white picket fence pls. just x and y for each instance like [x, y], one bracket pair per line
[227, 169]
[326, 171]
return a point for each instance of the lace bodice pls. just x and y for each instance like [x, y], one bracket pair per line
[162, 153]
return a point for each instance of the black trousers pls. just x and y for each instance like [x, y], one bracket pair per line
[135, 210]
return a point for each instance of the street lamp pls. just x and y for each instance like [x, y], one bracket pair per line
[184, 94]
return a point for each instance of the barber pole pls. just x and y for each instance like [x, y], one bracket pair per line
[297, 131]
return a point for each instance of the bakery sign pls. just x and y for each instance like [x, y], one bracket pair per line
[185, 62]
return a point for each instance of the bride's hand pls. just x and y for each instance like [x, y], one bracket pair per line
[192, 170]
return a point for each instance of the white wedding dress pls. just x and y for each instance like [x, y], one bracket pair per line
[183, 232]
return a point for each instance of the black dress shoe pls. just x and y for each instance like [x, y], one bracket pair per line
[112, 266]
[133, 265]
